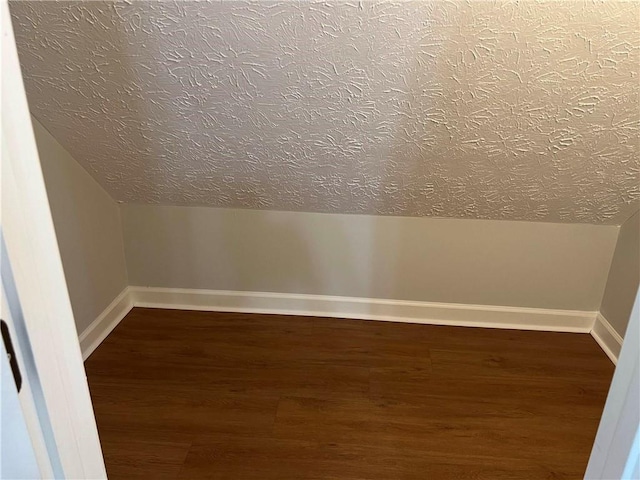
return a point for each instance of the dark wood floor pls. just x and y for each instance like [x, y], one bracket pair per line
[191, 395]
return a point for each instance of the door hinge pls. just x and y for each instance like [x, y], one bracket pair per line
[11, 355]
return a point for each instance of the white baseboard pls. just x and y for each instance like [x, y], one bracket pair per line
[365, 308]
[462, 315]
[608, 339]
[102, 326]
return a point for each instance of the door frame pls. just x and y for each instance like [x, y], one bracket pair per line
[35, 260]
[616, 450]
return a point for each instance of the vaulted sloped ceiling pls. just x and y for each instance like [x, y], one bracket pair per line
[516, 110]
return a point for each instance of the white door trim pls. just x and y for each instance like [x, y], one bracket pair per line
[615, 450]
[39, 278]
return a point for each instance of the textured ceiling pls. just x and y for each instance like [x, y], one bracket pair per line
[517, 110]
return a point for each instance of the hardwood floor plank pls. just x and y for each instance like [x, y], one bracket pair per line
[259, 458]
[194, 395]
[267, 340]
[541, 365]
[188, 410]
[438, 427]
[543, 396]
[134, 459]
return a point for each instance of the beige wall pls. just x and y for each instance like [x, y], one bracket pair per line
[624, 276]
[488, 262]
[524, 264]
[89, 231]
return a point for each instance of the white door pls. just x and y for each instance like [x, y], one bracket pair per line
[17, 456]
[54, 398]
[23, 453]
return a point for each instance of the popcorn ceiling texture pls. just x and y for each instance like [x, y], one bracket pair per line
[509, 110]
